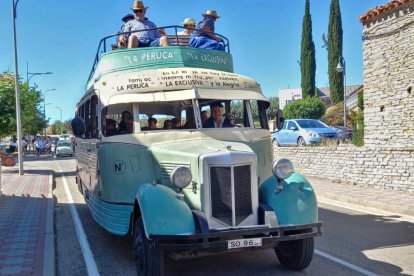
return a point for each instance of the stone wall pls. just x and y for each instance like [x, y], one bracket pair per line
[382, 168]
[387, 159]
[389, 78]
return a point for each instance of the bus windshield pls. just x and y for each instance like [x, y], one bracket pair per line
[184, 114]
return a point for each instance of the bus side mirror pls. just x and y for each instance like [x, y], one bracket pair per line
[280, 120]
[78, 126]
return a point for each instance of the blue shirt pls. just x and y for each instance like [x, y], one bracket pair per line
[136, 25]
[207, 21]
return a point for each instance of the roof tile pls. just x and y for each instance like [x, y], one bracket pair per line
[382, 9]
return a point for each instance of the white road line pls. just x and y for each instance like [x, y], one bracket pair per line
[83, 241]
[348, 265]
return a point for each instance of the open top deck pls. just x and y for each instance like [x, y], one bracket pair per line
[149, 58]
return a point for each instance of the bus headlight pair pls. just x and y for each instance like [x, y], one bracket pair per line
[181, 177]
[282, 168]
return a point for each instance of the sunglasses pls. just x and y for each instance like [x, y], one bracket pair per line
[189, 26]
[138, 11]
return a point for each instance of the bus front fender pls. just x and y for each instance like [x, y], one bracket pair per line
[294, 204]
[163, 213]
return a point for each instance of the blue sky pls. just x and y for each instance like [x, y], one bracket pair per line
[62, 37]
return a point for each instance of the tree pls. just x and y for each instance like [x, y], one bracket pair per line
[335, 52]
[57, 127]
[274, 106]
[30, 100]
[308, 108]
[68, 125]
[307, 57]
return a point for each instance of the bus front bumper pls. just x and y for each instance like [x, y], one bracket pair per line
[270, 237]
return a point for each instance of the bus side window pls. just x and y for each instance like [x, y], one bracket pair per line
[94, 117]
[87, 119]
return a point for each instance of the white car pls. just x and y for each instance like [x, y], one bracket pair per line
[64, 148]
[64, 137]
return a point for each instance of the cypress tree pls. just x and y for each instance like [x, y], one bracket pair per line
[307, 56]
[335, 52]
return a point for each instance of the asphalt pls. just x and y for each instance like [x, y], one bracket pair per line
[26, 214]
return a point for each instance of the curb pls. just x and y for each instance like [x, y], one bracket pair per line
[396, 208]
[49, 250]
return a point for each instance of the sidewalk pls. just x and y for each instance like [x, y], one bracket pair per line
[388, 200]
[26, 221]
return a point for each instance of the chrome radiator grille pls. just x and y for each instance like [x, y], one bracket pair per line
[230, 190]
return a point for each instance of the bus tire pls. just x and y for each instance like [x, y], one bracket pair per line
[149, 259]
[297, 254]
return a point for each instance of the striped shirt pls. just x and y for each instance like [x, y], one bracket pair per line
[136, 25]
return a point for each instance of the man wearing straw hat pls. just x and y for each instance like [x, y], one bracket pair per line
[144, 31]
[189, 25]
[203, 36]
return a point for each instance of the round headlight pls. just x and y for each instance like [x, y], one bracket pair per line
[283, 168]
[181, 177]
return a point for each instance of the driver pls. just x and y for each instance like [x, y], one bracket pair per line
[216, 119]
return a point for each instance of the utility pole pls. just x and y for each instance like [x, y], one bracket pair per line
[16, 80]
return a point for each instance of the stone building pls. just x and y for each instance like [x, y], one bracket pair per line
[388, 34]
[386, 161]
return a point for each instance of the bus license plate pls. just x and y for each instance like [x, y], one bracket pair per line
[244, 243]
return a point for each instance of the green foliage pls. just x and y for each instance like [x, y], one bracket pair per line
[274, 106]
[357, 121]
[361, 100]
[57, 127]
[334, 115]
[358, 137]
[335, 34]
[308, 108]
[307, 57]
[30, 100]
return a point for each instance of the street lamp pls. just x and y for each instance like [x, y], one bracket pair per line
[60, 119]
[17, 92]
[44, 106]
[34, 74]
[341, 68]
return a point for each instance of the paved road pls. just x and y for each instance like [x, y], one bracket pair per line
[354, 243]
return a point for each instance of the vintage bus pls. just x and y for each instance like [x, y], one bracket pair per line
[148, 165]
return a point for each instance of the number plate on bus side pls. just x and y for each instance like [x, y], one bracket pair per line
[244, 243]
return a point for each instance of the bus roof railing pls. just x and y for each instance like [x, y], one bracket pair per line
[102, 46]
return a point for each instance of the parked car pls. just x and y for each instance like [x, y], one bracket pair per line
[302, 132]
[343, 133]
[64, 148]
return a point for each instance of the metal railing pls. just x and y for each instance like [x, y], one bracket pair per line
[103, 43]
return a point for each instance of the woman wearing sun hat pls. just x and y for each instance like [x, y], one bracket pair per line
[203, 36]
[189, 25]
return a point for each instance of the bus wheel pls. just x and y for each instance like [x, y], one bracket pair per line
[297, 254]
[148, 258]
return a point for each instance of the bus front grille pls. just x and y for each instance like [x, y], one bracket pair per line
[231, 199]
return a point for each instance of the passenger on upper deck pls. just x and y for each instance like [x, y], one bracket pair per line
[144, 38]
[125, 19]
[204, 37]
[217, 120]
[188, 23]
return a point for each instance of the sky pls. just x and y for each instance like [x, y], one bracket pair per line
[265, 39]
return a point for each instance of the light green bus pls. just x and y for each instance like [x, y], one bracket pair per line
[150, 164]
